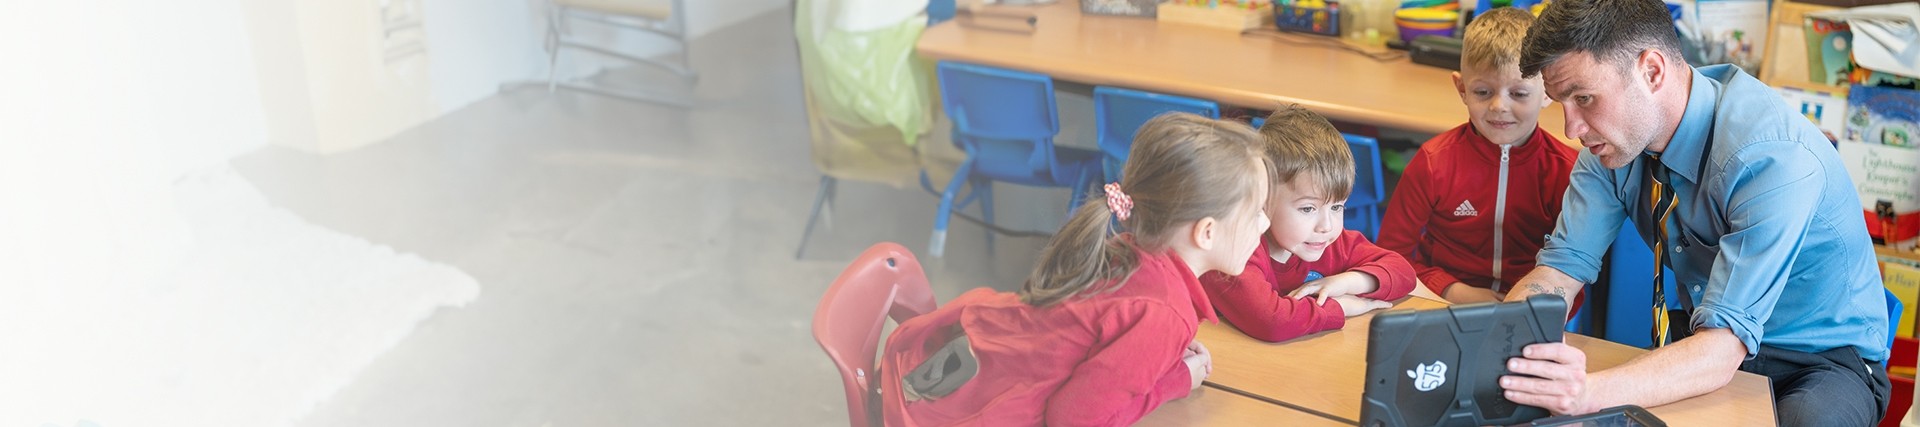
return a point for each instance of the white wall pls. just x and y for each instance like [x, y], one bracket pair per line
[108, 101]
[331, 80]
[705, 16]
[478, 45]
[105, 105]
[326, 86]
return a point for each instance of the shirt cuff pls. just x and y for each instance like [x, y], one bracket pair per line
[1744, 327]
[1438, 281]
[1583, 268]
[1176, 383]
[1384, 289]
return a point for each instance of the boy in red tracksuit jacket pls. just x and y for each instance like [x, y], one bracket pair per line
[1103, 330]
[1477, 202]
[1278, 297]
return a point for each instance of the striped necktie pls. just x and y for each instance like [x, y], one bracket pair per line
[1659, 196]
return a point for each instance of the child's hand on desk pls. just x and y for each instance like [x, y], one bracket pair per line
[1199, 362]
[1343, 284]
[1355, 306]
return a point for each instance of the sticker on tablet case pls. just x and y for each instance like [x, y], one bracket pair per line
[1428, 377]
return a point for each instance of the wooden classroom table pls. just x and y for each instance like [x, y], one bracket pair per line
[1210, 406]
[1325, 373]
[1256, 70]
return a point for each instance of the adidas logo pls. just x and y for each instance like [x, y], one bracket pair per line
[1465, 209]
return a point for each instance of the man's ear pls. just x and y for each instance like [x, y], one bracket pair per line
[1652, 67]
[1205, 233]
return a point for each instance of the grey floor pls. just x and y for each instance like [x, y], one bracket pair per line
[636, 261]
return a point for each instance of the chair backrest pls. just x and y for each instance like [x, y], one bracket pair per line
[1005, 119]
[1369, 182]
[939, 11]
[1369, 186]
[672, 12]
[1894, 307]
[1364, 219]
[1629, 288]
[1118, 114]
[885, 281]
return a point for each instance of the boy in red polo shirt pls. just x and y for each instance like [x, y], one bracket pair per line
[1280, 295]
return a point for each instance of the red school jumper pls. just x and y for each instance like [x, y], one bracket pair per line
[1256, 301]
[1098, 358]
[1462, 194]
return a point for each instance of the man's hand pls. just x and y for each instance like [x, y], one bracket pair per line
[1561, 383]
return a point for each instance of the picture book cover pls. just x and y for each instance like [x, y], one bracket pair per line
[1829, 50]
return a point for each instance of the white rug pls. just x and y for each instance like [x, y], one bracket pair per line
[256, 321]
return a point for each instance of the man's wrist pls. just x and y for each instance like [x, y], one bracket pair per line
[1597, 396]
[1537, 288]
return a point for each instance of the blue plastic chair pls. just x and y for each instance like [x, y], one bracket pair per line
[1894, 307]
[1118, 114]
[939, 11]
[1486, 5]
[1005, 121]
[1628, 318]
[1369, 186]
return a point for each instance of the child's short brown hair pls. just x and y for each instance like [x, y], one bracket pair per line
[1493, 39]
[1300, 141]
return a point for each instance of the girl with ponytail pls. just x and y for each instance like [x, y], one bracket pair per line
[1102, 332]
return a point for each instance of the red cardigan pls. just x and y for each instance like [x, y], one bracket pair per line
[1441, 217]
[1256, 301]
[1100, 358]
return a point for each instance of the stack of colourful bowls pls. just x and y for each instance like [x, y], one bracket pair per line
[1422, 21]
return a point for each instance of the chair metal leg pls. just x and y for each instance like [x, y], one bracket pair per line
[936, 245]
[687, 58]
[558, 18]
[984, 188]
[553, 47]
[821, 198]
[1084, 187]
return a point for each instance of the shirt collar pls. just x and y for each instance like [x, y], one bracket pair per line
[1683, 153]
[1202, 305]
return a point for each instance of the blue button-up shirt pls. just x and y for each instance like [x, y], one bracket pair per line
[1768, 236]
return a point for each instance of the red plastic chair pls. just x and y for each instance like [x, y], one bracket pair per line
[885, 281]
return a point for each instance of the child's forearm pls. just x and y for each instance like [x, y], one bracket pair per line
[1388, 283]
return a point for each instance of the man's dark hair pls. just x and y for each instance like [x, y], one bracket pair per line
[1613, 31]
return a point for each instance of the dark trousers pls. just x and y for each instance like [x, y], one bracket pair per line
[1831, 388]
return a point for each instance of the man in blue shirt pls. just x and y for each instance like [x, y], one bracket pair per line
[1742, 197]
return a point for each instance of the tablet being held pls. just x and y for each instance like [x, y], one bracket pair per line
[1442, 367]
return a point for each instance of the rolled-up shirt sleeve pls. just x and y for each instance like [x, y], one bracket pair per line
[1767, 218]
[1590, 215]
